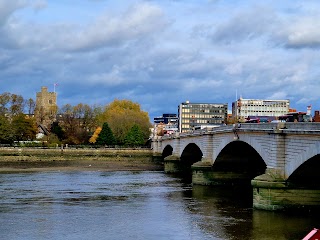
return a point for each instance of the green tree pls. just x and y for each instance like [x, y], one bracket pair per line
[105, 137]
[134, 137]
[6, 135]
[57, 130]
[121, 115]
[24, 129]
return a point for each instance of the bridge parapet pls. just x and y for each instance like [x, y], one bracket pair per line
[286, 127]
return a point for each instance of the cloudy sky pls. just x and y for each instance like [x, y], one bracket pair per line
[160, 53]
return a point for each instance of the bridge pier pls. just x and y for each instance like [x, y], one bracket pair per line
[172, 164]
[270, 192]
[203, 173]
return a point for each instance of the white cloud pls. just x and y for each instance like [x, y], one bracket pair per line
[111, 78]
[139, 21]
[108, 31]
[278, 95]
[39, 4]
[7, 8]
[304, 32]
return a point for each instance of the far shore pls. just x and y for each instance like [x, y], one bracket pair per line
[34, 160]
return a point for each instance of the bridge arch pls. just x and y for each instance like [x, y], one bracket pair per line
[307, 174]
[190, 155]
[298, 160]
[167, 151]
[254, 143]
[240, 157]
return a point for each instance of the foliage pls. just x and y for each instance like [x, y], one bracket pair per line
[30, 105]
[23, 128]
[6, 135]
[134, 137]
[105, 137]
[122, 115]
[57, 130]
[95, 135]
[11, 104]
[78, 122]
[53, 139]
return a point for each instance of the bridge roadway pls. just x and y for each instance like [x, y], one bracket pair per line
[281, 161]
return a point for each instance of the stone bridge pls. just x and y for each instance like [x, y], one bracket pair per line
[280, 160]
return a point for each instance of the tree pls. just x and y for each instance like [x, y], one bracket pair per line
[4, 102]
[134, 137]
[30, 105]
[24, 129]
[78, 122]
[57, 130]
[11, 104]
[95, 135]
[122, 115]
[17, 104]
[6, 135]
[105, 137]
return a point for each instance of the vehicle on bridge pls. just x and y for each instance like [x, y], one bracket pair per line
[258, 120]
[296, 117]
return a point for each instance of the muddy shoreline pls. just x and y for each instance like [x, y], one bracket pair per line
[31, 160]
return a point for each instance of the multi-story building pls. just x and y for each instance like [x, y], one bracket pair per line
[46, 107]
[200, 115]
[166, 124]
[244, 108]
[166, 118]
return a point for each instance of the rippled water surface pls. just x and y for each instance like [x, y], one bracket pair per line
[134, 205]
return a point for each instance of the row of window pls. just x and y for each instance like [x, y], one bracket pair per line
[269, 112]
[186, 110]
[215, 120]
[188, 126]
[204, 106]
[197, 116]
[266, 105]
[263, 109]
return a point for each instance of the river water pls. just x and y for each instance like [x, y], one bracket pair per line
[134, 205]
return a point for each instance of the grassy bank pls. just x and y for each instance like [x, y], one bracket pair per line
[77, 159]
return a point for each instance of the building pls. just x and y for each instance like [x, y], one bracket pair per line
[316, 117]
[46, 107]
[166, 124]
[166, 118]
[200, 115]
[244, 108]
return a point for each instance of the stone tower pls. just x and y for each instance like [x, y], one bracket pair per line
[46, 107]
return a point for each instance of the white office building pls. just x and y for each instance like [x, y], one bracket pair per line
[243, 108]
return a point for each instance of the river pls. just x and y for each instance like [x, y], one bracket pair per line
[134, 205]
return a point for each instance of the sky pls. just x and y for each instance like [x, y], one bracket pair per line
[160, 53]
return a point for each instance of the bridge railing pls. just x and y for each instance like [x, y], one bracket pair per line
[285, 127]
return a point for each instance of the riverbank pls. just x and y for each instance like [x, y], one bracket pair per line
[33, 159]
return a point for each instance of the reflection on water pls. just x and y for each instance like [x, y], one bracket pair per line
[134, 205]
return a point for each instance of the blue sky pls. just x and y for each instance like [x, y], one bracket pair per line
[160, 53]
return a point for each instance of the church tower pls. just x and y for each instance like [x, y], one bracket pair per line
[46, 107]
